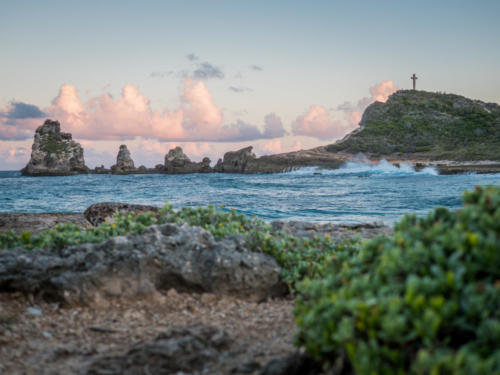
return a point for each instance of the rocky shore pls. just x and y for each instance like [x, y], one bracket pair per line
[172, 299]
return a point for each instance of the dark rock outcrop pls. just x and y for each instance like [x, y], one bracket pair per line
[100, 212]
[180, 350]
[177, 162]
[124, 162]
[167, 256]
[54, 153]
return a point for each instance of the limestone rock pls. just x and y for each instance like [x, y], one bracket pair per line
[100, 212]
[178, 350]
[54, 153]
[336, 231]
[38, 222]
[167, 256]
[177, 162]
[124, 162]
[235, 161]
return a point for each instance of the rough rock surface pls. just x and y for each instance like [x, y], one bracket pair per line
[177, 162]
[235, 161]
[124, 162]
[180, 349]
[338, 232]
[54, 153]
[100, 212]
[36, 223]
[162, 257]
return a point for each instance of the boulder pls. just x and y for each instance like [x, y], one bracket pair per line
[235, 161]
[38, 222]
[54, 153]
[177, 162]
[180, 350]
[124, 162]
[100, 212]
[167, 256]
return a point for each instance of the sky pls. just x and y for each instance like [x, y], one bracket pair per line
[214, 76]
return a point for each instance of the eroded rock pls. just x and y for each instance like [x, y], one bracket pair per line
[100, 212]
[54, 153]
[124, 162]
[177, 162]
[185, 258]
[178, 350]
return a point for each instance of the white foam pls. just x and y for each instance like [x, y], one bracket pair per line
[364, 168]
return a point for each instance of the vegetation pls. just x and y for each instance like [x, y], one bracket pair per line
[425, 301]
[51, 145]
[298, 257]
[428, 125]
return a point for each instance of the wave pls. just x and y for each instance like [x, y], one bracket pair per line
[366, 169]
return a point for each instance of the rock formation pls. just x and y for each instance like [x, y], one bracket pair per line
[124, 162]
[167, 256]
[177, 162]
[100, 212]
[235, 161]
[54, 153]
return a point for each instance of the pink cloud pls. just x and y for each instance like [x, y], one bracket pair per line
[272, 147]
[198, 118]
[316, 122]
[379, 93]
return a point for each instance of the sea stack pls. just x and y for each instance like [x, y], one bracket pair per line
[177, 162]
[235, 161]
[124, 162]
[54, 153]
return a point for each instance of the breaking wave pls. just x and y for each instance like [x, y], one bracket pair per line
[366, 169]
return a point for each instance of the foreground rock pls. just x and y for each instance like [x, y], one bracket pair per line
[180, 349]
[338, 232]
[54, 153]
[162, 257]
[177, 162]
[100, 212]
[36, 223]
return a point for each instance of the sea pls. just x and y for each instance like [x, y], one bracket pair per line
[357, 192]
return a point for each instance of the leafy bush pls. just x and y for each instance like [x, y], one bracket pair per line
[425, 301]
[298, 257]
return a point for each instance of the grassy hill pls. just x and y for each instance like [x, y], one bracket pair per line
[425, 125]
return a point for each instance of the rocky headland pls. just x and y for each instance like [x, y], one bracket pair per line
[449, 132]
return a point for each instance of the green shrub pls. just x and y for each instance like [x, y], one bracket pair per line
[298, 257]
[425, 301]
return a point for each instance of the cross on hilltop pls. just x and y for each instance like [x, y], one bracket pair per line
[414, 78]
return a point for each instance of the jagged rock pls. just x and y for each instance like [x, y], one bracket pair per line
[100, 170]
[36, 223]
[124, 162]
[167, 256]
[338, 232]
[177, 162]
[100, 212]
[179, 350]
[54, 153]
[235, 161]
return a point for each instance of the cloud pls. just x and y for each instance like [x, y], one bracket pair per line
[380, 93]
[273, 127]
[239, 89]
[206, 70]
[192, 57]
[13, 157]
[316, 123]
[20, 110]
[129, 116]
[256, 68]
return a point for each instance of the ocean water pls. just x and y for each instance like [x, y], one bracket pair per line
[357, 192]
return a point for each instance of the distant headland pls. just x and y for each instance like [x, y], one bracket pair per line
[450, 132]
